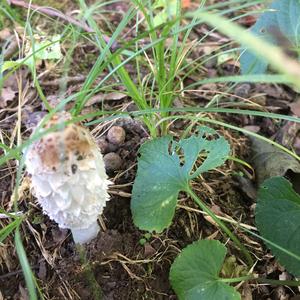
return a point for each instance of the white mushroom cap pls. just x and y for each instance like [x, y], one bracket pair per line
[68, 177]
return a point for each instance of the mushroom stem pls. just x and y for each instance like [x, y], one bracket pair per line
[85, 235]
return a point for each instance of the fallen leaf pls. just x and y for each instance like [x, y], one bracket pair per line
[4, 35]
[269, 161]
[31, 118]
[113, 96]
[252, 128]
[7, 95]
[246, 186]
[287, 134]
[295, 107]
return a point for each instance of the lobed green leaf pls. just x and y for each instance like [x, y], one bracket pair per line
[162, 173]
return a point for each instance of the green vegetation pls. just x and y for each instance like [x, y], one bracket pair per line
[152, 68]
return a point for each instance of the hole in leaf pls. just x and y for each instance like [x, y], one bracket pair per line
[201, 158]
[210, 137]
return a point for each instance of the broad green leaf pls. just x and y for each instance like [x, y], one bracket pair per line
[162, 173]
[278, 220]
[46, 49]
[278, 25]
[194, 274]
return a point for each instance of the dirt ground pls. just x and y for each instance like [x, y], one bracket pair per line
[127, 263]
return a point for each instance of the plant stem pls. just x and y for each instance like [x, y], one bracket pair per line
[221, 224]
[90, 277]
[261, 280]
[278, 282]
[28, 275]
[238, 279]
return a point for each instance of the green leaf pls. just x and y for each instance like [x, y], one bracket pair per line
[162, 173]
[278, 220]
[278, 25]
[160, 18]
[168, 11]
[47, 49]
[194, 274]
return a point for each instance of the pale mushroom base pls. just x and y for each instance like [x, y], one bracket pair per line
[82, 236]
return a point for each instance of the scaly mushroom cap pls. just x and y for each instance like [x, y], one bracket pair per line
[68, 177]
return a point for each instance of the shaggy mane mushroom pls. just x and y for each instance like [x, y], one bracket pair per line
[68, 177]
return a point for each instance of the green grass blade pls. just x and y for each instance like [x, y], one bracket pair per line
[7, 230]
[29, 278]
[278, 60]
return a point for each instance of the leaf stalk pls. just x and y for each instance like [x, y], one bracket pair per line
[221, 225]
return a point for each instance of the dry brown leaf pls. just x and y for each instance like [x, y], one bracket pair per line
[113, 96]
[7, 95]
[269, 161]
[295, 107]
[4, 35]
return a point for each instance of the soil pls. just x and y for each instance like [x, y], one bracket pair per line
[124, 262]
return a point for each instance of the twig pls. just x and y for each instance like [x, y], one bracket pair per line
[59, 81]
[56, 13]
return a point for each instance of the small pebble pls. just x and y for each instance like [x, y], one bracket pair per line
[242, 90]
[103, 145]
[116, 135]
[112, 161]
[132, 107]
[111, 147]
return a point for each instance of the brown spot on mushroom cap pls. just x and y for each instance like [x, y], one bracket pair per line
[72, 139]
